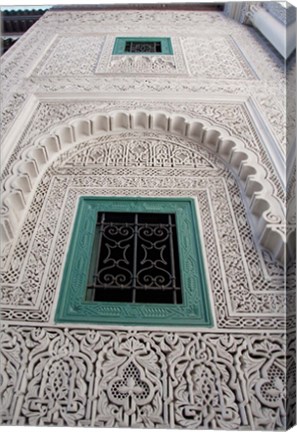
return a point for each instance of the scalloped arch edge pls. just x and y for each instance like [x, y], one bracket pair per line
[267, 216]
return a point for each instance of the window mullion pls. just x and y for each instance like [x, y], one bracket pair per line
[172, 258]
[134, 283]
[101, 230]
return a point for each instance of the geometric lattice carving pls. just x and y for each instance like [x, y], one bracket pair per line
[70, 55]
[169, 61]
[250, 49]
[231, 377]
[203, 52]
[226, 378]
[266, 211]
[28, 294]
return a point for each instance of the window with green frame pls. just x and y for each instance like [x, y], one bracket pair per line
[135, 261]
[142, 45]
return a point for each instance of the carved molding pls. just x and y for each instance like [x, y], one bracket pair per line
[203, 53]
[128, 64]
[198, 134]
[249, 50]
[265, 209]
[40, 116]
[70, 55]
[246, 283]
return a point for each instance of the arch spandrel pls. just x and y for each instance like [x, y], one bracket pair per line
[264, 209]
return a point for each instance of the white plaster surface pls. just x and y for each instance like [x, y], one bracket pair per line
[207, 122]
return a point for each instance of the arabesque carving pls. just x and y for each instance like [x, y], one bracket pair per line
[70, 55]
[265, 209]
[206, 123]
[203, 52]
[141, 64]
[104, 378]
[246, 283]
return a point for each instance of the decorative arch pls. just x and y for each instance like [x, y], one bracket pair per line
[265, 209]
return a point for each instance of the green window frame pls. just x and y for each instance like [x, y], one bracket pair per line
[120, 44]
[195, 307]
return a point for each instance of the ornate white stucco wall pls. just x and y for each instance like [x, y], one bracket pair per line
[78, 121]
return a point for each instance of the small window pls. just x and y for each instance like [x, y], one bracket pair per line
[142, 46]
[135, 261]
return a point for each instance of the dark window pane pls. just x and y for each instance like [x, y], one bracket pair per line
[135, 259]
[142, 47]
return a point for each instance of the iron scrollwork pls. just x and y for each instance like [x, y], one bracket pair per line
[135, 259]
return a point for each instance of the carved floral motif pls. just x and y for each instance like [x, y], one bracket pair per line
[203, 53]
[105, 378]
[232, 117]
[142, 64]
[250, 53]
[147, 166]
[71, 55]
[219, 378]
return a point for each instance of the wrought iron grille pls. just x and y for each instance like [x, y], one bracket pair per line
[142, 47]
[135, 259]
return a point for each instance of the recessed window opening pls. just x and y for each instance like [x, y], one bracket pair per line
[142, 46]
[135, 259]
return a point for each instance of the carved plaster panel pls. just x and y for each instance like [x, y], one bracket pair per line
[17, 62]
[212, 57]
[268, 95]
[252, 284]
[141, 64]
[104, 378]
[266, 211]
[251, 54]
[133, 20]
[70, 55]
[230, 116]
[229, 377]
